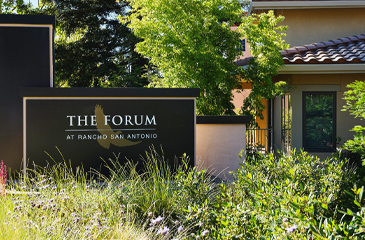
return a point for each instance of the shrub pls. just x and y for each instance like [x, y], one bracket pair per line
[355, 101]
[272, 198]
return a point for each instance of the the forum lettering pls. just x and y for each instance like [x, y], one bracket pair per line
[116, 120]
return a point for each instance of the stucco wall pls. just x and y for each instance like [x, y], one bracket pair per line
[217, 147]
[335, 83]
[308, 26]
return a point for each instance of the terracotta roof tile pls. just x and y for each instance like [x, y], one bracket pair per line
[337, 41]
[345, 40]
[291, 50]
[353, 38]
[343, 50]
[310, 47]
[362, 37]
[285, 0]
[283, 52]
[319, 45]
[328, 43]
[301, 49]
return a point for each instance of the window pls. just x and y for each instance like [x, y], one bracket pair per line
[319, 121]
[242, 46]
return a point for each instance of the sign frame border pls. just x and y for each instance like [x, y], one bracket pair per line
[95, 98]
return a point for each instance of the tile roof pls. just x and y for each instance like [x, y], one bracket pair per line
[292, 0]
[338, 51]
[343, 50]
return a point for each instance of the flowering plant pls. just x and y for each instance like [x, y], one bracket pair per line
[2, 178]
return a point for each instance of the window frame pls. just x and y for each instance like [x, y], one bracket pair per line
[334, 119]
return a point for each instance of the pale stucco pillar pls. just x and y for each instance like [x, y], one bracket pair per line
[219, 140]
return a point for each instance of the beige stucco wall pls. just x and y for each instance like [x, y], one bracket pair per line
[323, 82]
[308, 26]
[218, 146]
[238, 97]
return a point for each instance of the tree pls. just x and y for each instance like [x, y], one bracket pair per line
[92, 48]
[12, 6]
[355, 102]
[265, 39]
[191, 44]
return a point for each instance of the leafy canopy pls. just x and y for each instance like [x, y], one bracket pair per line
[355, 102]
[266, 40]
[191, 43]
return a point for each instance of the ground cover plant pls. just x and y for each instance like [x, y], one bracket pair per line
[280, 196]
[57, 203]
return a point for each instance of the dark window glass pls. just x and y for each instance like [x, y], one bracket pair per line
[319, 114]
[242, 46]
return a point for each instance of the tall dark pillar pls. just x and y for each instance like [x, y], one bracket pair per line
[26, 60]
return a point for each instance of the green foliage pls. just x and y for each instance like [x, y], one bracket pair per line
[92, 48]
[355, 99]
[265, 38]
[355, 102]
[13, 7]
[150, 191]
[191, 44]
[277, 187]
[56, 202]
[329, 228]
[194, 187]
[293, 196]
[283, 197]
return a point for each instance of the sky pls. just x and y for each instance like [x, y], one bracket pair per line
[34, 2]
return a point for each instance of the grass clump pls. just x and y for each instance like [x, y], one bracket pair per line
[294, 196]
[57, 202]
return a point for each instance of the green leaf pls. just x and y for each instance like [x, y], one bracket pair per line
[295, 205]
[357, 203]
[325, 206]
[349, 212]
[361, 192]
[349, 193]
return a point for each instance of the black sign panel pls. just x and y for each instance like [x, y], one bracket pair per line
[26, 60]
[86, 131]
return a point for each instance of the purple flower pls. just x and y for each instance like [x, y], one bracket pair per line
[156, 220]
[180, 229]
[163, 231]
[205, 232]
[291, 229]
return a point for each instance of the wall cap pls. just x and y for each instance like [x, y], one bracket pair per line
[269, 5]
[110, 92]
[222, 119]
[27, 19]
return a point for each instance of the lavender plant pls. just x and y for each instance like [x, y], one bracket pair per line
[57, 203]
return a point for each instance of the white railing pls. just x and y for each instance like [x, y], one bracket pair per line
[259, 139]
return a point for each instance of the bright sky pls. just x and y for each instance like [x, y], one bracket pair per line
[34, 2]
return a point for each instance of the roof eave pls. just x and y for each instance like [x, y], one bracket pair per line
[322, 68]
[268, 5]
